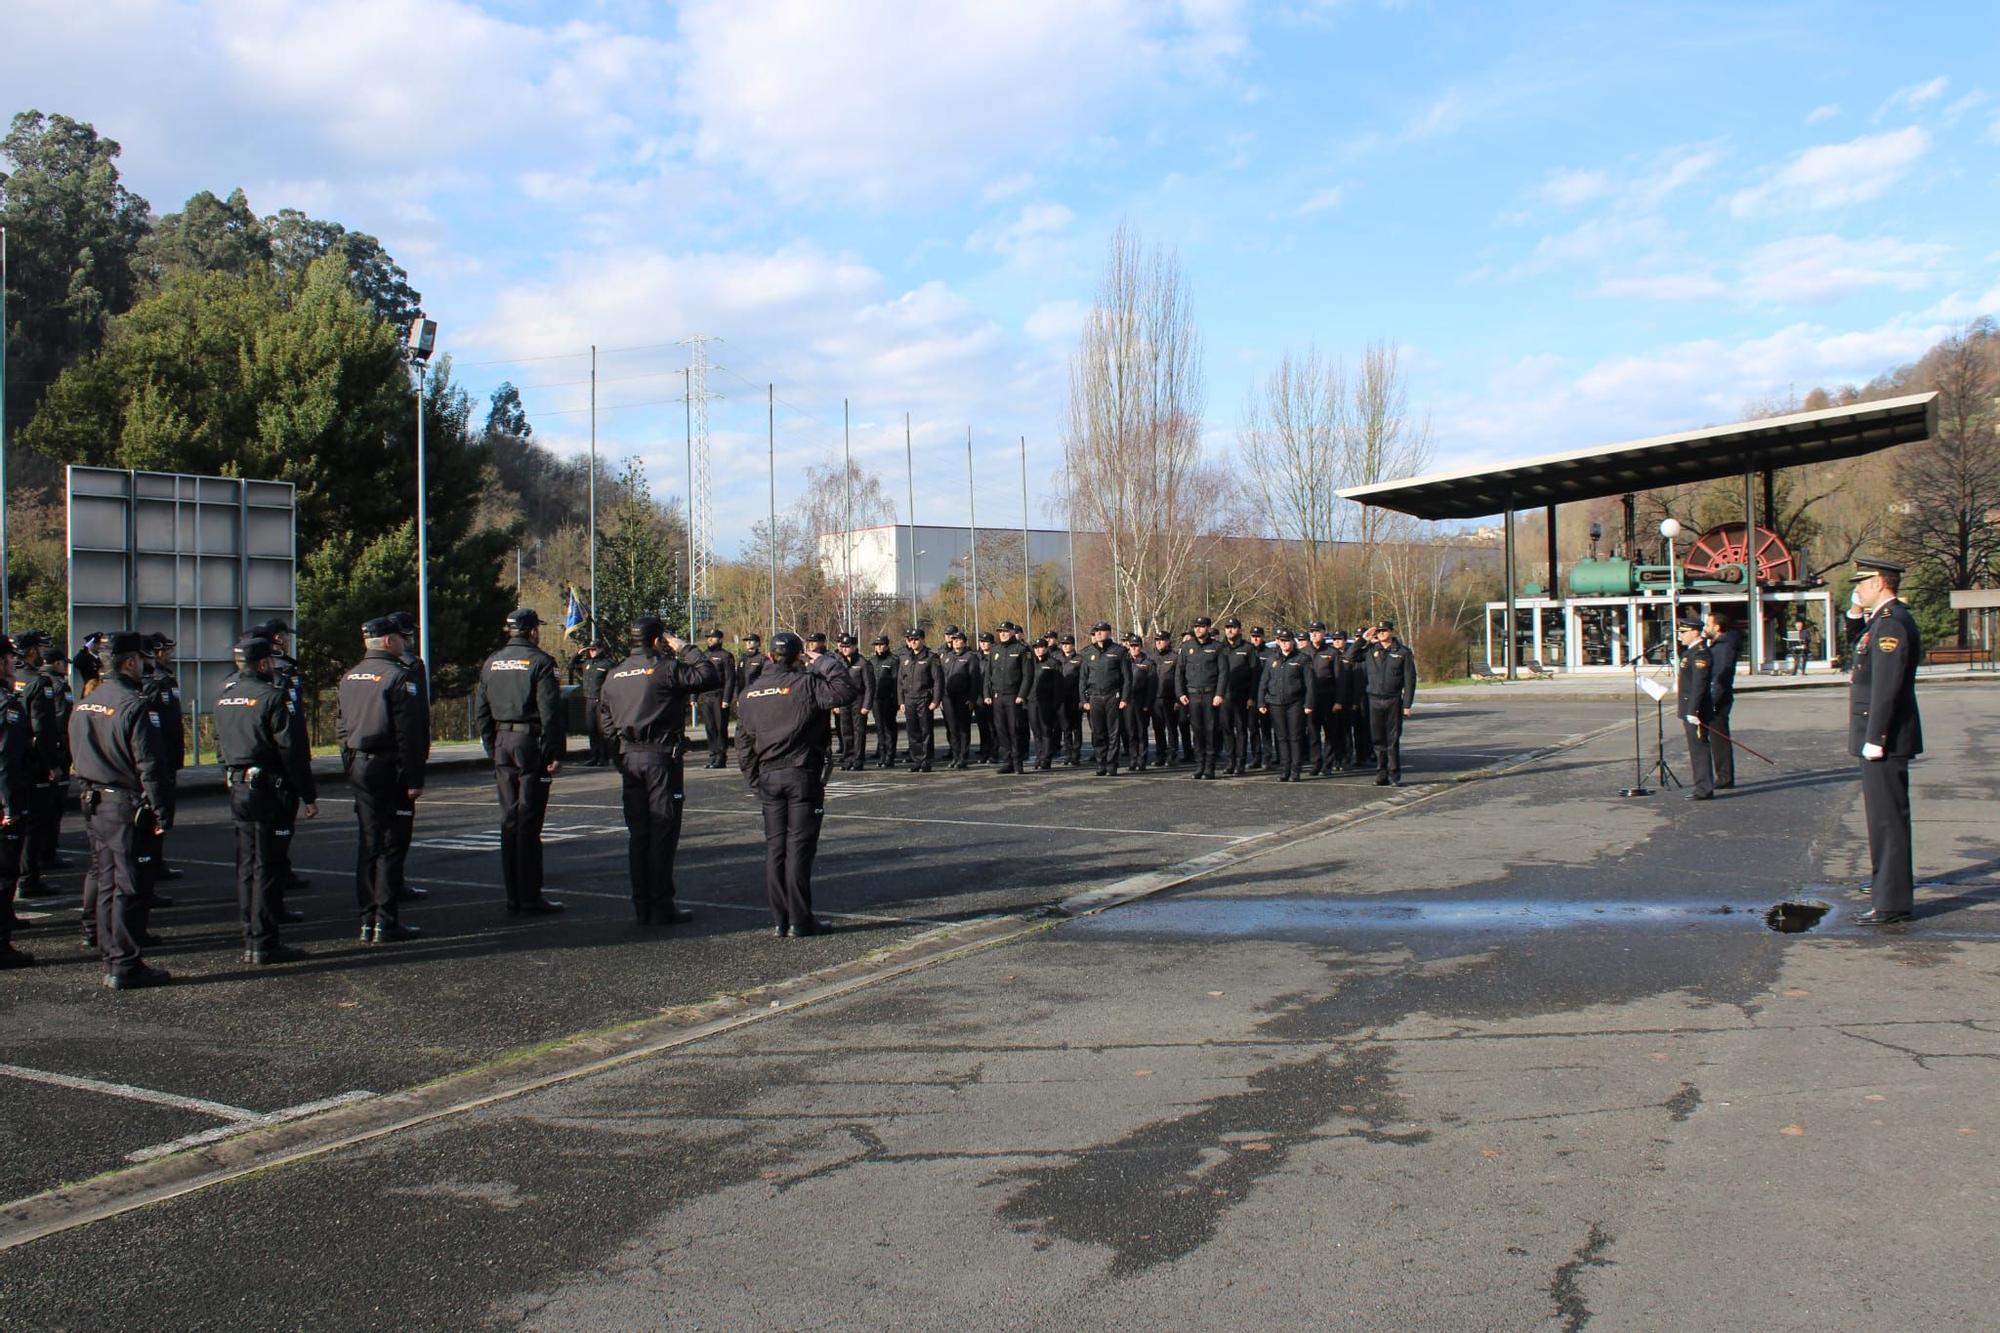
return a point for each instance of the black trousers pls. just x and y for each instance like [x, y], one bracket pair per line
[44, 825]
[523, 783]
[989, 748]
[1263, 738]
[1205, 721]
[282, 828]
[1107, 730]
[1701, 767]
[853, 730]
[652, 792]
[1072, 730]
[379, 800]
[1184, 729]
[715, 726]
[1164, 718]
[1385, 728]
[403, 829]
[1288, 737]
[885, 734]
[1721, 754]
[958, 730]
[13, 846]
[120, 913]
[601, 749]
[1361, 727]
[1048, 719]
[1238, 719]
[1010, 732]
[255, 813]
[1135, 719]
[920, 736]
[1885, 800]
[794, 804]
[1332, 736]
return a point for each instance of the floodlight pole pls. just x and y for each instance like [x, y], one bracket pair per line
[6, 600]
[771, 448]
[421, 342]
[910, 482]
[1027, 595]
[972, 530]
[596, 630]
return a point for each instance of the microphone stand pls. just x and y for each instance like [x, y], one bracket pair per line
[1662, 771]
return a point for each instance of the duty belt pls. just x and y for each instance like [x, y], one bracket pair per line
[531, 728]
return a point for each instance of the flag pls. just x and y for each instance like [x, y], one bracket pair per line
[573, 616]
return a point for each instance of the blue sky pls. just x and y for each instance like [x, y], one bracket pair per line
[1581, 222]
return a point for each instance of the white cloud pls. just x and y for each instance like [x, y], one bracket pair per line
[1821, 113]
[1443, 116]
[879, 102]
[1571, 187]
[1319, 201]
[1007, 187]
[1914, 96]
[1819, 268]
[1024, 240]
[1056, 321]
[1832, 175]
[1665, 287]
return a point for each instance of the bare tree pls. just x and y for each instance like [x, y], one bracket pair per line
[1291, 440]
[1951, 485]
[839, 499]
[1381, 442]
[1133, 439]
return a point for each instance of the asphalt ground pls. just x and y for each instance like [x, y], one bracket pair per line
[104, 1079]
[1512, 1053]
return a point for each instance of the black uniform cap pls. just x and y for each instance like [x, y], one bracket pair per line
[786, 646]
[914, 632]
[847, 641]
[156, 641]
[125, 641]
[522, 619]
[1232, 623]
[1069, 639]
[8, 647]
[880, 641]
[1689, 620]
[1338, 633]
[1133, 639]
[1867, 565]
[381, 627]
[253, 648]
[817, 636]
[954, 632]
[985, 637]
[1256, 629]
[34, 638]
[1203, 622]
[1319, 625]
[1284, 634]
[405, 621]
[275, 625]
[1104, 625]
[1386, 624]
[1162, 634]
[645, 629]
[713, 634]
[1010, 626]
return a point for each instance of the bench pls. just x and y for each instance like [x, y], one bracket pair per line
[1959, 656]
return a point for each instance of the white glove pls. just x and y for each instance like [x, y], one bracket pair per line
[1871, 751]
[1692, 720]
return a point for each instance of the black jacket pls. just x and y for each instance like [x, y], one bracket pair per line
[1882, 692]
[1331, 674]
[645, 700]
[1239, 671]
[1007, 667]
[919, 678]
[517, 688]
[725, 668]
[19, 770]
[1724, 650]
[1697, 670]
[1288, 679]
[1390, 672]
[1198, 669]
[1105, 672]
[961, 669]
[1145, 679]
[163, 687]
[115, 740]
[883, 697]
[783, 717]
[257, 727]
[383, 709]
[590, 672]
[45, 697]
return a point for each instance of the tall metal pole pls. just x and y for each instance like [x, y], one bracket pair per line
[1027, 565]
[972, 531]
[423, 532]
[6, 625]
[596, 631]
[771, 444]
[517, 574]
[910, 481]
[1069, 523]
[847, 515]
[687, 400]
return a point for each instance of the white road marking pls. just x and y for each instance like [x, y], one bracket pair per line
[221, 1132]
[130, 1093]
[485, 842]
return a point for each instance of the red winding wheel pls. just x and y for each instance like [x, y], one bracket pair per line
[1716, 551]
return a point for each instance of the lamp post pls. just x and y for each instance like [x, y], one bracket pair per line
[422, 341]
[1670, 528]
[6, 626]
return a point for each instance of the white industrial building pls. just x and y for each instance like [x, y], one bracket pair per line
[890, 559]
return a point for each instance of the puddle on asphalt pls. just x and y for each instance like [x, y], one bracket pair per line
[1222, 917]
[1796, 915]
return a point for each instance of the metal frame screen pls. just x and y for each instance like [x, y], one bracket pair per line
[195, 558]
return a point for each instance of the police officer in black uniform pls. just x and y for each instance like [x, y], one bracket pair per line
[644, 708]
[165, 688]
[1694, 703]
[1071, 666]
[920, 687]
[960, 668]
[1262, 751]
[115, 738]
[1239, 693]
[1198, 672]
[1327, 727]
[850, 719]
[285, 675]
[1725, 649]
[19, 769]
[1105, 676]
[588, 669]
[1885, 732]
[716, 703]
[266, 757]
[87, 666]
[885, 705]
[1044, 693]
[782, 722]
[1139, 716]
[383, 725]
[1005, 690]
[751, 661]
[44, 693]
[1390, 674]
[517, 708]
[1288, 696]
[1166, 702]
[406, 814]
[982, 707]
[1361, 732]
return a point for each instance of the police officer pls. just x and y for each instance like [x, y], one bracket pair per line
[1696, 705]
[46, 703]
[885, 703]
[783, 733]
[716, 703]
[115, 738]
[1262, 751]
[1044, 693]
[982, 707]
[87, 665]
[285, 675]
[517, 708]
[165, 687]
[1885, 732]
[1198, 682]
[1389, 673]
[1360, 728]
[1166, 703]
[1066, 660]
[382, 722]
[19, 771]
[406, 814]
[1725, 649]
[752, 660]
[265, 756]
[850, 719]
[644, 707]
[1005, 690]
[588, 669]
[1288, 695]
[1140, 714]
[920, 687]
[1106, 677]
[1239, 693]
[1327, 727]
[959, 666]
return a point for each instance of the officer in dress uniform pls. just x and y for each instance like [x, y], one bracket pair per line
[960, 666]
[383, 725]
[87, 665]
[1361, 732]
[266, 759]
[1695, 702]
[644, 707]
[1005, 691]
[1885, 732]
[1725, 650]
[121, 760]
[850, 720]
[45, 698]
[1239, 694]
[982, 707]
[1198, 672]
[19, 769]
[517, 708]
[1390, 674]
[716, 703]
[782, 722]
[751, 661]
[406, 814]
[920, 687]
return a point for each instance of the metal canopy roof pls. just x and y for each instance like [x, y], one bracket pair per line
[1665, 460]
